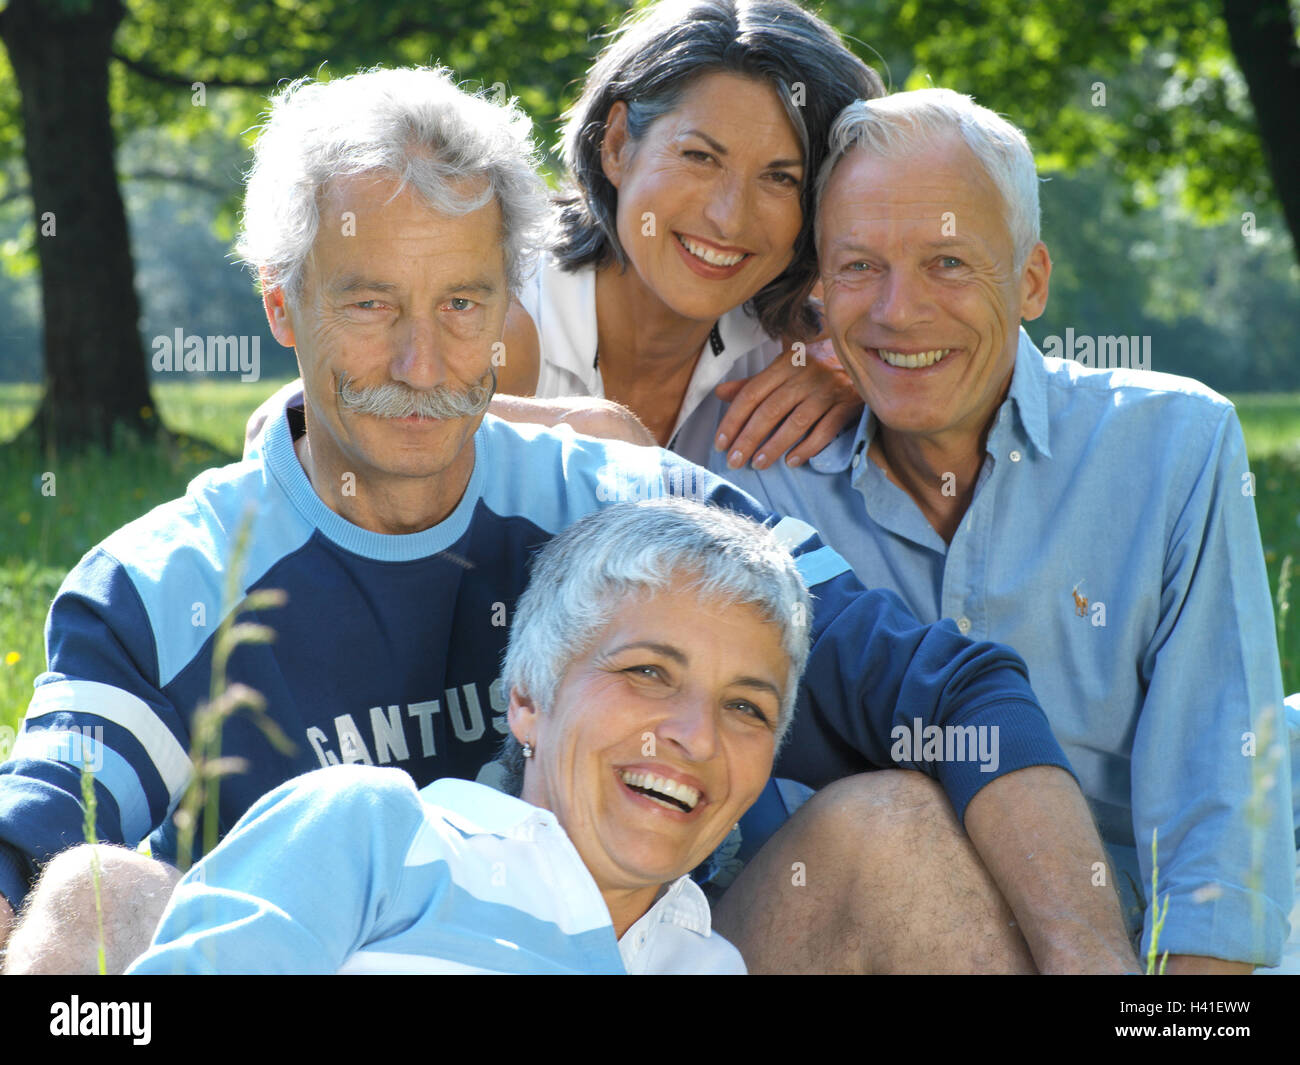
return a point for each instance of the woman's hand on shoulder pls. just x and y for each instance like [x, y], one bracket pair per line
[805, 401]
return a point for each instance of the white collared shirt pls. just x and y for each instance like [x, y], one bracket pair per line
[562, 305]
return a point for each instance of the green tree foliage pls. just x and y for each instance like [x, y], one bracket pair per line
[196, 73]
[1141, 86]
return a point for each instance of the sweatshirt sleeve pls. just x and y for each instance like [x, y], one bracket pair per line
[98, 706]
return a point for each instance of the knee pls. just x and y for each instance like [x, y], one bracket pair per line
[885, 802]
[88, 896]
[67, 883]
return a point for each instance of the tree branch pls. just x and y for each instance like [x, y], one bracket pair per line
[192, 180]
[154, 74]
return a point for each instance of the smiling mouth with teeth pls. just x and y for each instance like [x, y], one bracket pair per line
[914, 361]
[670, 793]
[709, 255]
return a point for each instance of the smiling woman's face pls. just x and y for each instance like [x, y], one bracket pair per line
[661, 735]
[709, 198]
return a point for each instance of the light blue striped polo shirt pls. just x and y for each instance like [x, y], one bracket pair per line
[351, 870]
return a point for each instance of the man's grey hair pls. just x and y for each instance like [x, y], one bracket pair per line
[580, 578]
[413, 124]
[907, 122]
[656, 55]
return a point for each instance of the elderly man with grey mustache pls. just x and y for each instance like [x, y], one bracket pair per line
[390, 216]
[1100, 522]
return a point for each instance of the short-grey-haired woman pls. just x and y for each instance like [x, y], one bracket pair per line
[652, 668]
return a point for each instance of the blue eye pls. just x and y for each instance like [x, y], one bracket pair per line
[460, 303]
[950, 262]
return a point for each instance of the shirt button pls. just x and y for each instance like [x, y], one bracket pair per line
[856, 459]
[1015, 456]
[963, 623]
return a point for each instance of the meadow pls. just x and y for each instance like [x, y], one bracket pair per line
[47, 524]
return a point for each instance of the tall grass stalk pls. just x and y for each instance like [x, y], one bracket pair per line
[1158, 914]
[225, 700]
[1283, 602]
[89, 830]
[1268, 758]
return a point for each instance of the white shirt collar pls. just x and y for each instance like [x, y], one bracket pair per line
[567, 335]
[476, 808]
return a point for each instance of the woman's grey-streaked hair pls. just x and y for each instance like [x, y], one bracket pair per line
[580, 578]
[412, 123]
[906, 122]
[652, 60]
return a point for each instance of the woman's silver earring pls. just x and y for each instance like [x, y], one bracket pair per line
[528, 749]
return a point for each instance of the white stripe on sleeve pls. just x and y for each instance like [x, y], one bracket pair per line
[121, 708]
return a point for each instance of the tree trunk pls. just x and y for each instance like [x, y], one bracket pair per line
[1264, 45]
[96, 376]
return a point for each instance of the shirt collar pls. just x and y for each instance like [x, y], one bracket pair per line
[683, 904]
[837, 456]
[476, 809]
[1029, 393]
[1027, 396]
[568, 334]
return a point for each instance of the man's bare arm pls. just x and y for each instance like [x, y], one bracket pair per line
[1035, 835]
[591, 417]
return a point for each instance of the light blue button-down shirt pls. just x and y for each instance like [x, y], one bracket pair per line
[1112, 541]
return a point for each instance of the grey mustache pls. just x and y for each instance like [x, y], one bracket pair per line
[394, 400]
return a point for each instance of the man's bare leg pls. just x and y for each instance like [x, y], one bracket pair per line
[58, 929]
[872, 874]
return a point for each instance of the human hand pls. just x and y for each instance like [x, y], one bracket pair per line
[810, 400]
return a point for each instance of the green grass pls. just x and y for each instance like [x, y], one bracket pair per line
[1271, 423]
[43, 536]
